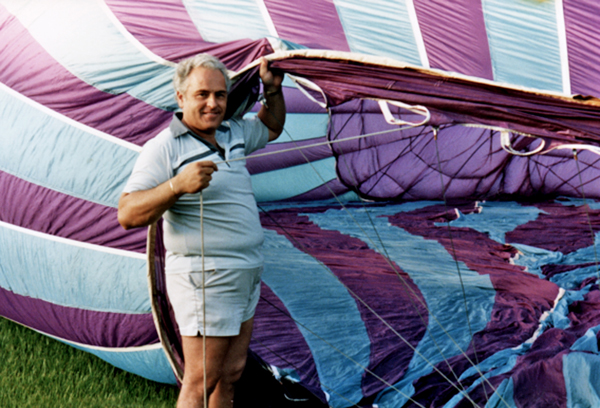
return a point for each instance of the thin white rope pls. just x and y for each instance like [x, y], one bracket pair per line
[409, 126]
[203, 300]
[325, 143]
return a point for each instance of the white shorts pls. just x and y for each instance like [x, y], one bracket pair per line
[231, 298]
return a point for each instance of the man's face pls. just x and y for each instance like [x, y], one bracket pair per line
[204, 101]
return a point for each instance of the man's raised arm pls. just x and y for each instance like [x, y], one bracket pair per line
[273, 114]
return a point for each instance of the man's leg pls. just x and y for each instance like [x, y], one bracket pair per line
[233, 366]
[192, 389]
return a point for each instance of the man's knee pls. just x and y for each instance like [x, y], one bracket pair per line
[233, 372]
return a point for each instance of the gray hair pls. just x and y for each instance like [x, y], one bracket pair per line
[180, 79]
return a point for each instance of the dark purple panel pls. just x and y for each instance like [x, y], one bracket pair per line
[288, 159]
[28, 69]
[40, 209]
[391, 293]
[582, 23]
[278, 341]
[165, 28]
[312, 23]
[327, 191]
[560, 228]
[520, 298]
[455, 36]
[451, 100]
[82, 326]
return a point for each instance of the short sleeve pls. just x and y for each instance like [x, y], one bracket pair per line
[152, 168]
[256, 134]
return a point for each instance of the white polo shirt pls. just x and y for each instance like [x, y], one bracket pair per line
[232, 231]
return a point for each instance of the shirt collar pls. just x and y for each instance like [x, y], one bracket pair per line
[178, 128]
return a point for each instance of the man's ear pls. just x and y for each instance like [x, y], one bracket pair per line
[179, 97]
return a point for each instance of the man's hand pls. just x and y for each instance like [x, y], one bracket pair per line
[194, 177]
[271, 80]
[144, 207]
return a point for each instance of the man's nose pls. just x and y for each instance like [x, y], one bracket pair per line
[211, 101]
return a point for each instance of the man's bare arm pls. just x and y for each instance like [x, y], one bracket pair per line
[141, 208]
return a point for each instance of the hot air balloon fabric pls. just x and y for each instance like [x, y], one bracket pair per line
[430, 211]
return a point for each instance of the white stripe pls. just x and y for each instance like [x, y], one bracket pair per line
[134, 41]
[69, 121]
[72, 242]
[412, 14]
[267, 17]
[562, 44]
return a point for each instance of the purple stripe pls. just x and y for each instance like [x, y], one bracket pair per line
[82, 326]
[582, 22]
[288, 159]
[459, 44]
[278, 341]
[28, 69]
[329, 190]
[312, 23]
[520, 299]
[370, 276]
[166, 29]
[560, 228]
[41, 209]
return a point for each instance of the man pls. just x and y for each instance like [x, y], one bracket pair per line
[174, 171]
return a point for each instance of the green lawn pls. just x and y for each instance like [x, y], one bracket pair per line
[37, 371]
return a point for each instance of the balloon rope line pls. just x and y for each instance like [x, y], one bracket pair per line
[290, 364]
[377, 315]
[406, 286]
[391, 264]
[203, 299]
[346, 355]
[587, 213]
[454, 255]
[411, 290]
[300, 148]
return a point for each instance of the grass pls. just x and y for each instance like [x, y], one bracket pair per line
[37, 371]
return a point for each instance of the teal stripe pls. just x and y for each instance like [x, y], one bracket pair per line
[433, 270]
[46, 151]
[302, 126]
[332, 314]
[379, 28]
[289, 182]
[492, 218]
[524, 43]
[582, 382]
[72, 276]
[148, 363]
[222, 21]
[81, 36]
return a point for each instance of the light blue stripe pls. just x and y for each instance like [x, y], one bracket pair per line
[301, 126]
[581, 372]
[433, 270]
[497, 218]
[81, 37]
[148, 363]
[292, 181]
[316, 298]
[72, 276]
[49, 152]
[524, 43]
[226, 20]
[379, 28]
[506, 390]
